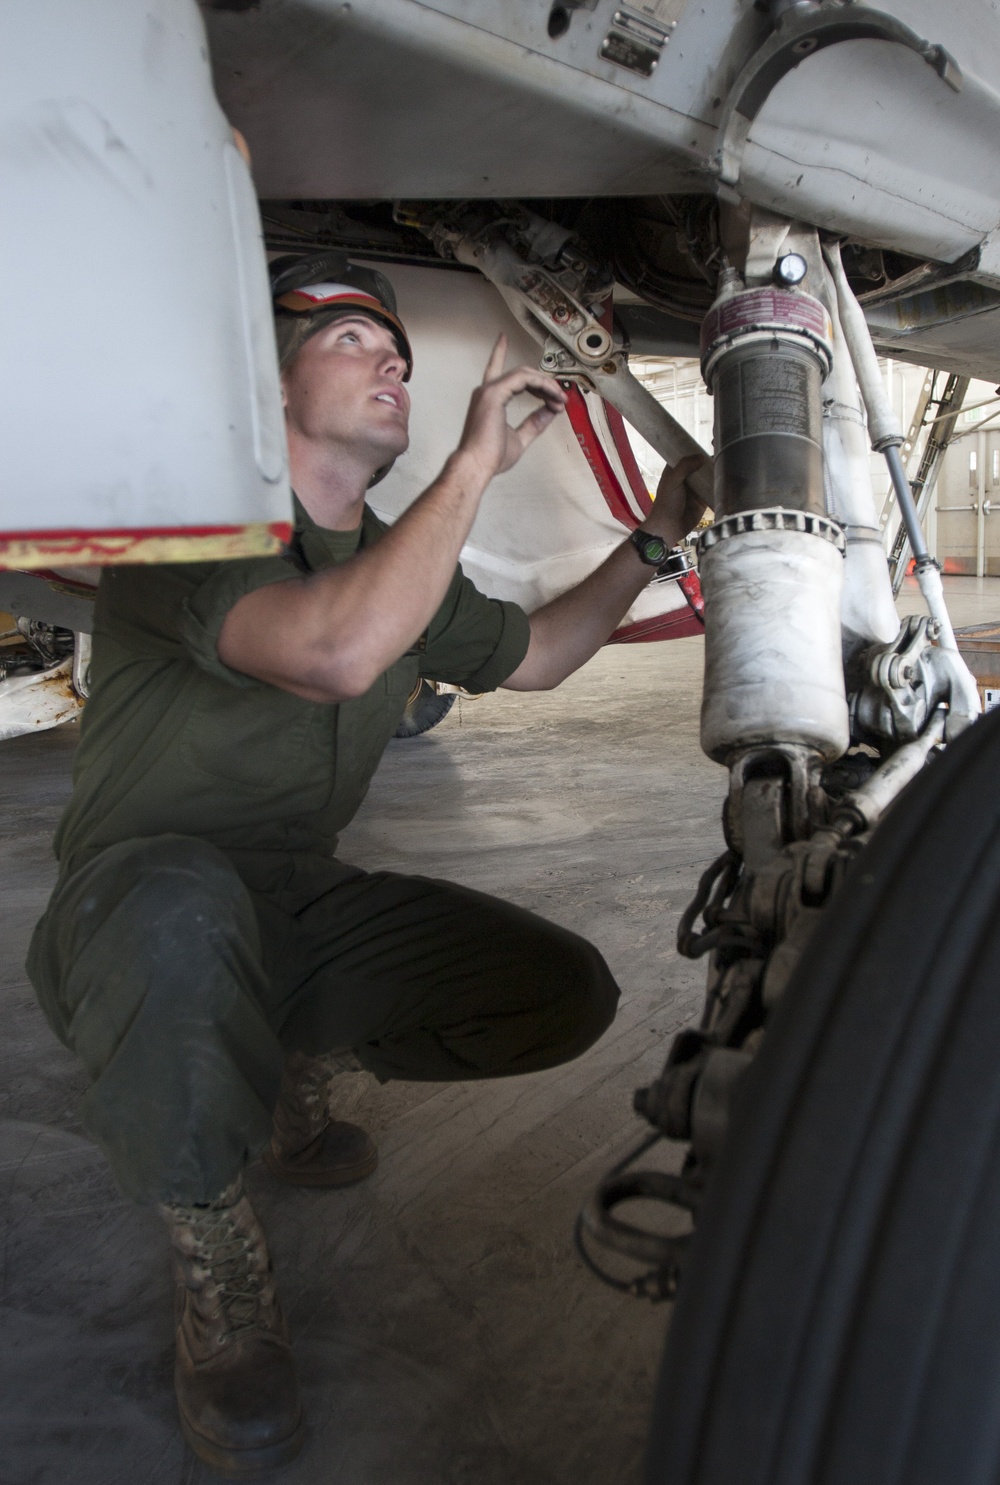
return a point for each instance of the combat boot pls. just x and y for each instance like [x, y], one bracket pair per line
[309, 1147]
[234, 1375]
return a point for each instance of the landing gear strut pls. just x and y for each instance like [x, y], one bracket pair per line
[802, 661]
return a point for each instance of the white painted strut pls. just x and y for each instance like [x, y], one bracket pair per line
[868, 613]
[886, 435]
[773, 670]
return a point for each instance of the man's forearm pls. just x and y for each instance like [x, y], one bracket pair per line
[574, 626]
[329, 636]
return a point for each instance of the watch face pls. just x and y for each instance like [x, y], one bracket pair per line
[655, 550]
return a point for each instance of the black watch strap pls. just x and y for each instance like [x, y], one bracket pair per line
[652, 549]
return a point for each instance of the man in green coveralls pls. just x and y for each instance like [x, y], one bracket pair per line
[205, 953]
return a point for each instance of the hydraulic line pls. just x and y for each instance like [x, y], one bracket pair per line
[940, 434]
[886, 435]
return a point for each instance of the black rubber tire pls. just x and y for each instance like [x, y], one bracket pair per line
[424, 711]
[839, 1321]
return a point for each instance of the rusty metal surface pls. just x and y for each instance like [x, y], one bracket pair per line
[33, 703]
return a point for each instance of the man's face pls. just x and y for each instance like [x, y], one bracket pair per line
[345, 387]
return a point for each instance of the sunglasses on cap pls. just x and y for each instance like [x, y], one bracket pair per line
[298, 291]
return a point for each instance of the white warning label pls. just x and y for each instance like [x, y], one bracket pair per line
[665, 13]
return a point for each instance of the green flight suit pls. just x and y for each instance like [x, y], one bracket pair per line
[202, 923]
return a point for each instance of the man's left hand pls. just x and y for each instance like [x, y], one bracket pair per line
[676, 509]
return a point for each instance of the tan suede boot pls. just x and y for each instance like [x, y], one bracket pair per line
[234, 1375]
[309, 1147]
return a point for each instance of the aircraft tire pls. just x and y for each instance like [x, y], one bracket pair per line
[424, 710]
[839, 1320]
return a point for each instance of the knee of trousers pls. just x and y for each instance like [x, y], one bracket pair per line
[145, 917]
[149, 959]
[593, 992]
[577, 997]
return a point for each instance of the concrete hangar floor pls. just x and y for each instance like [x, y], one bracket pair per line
[445, 1330]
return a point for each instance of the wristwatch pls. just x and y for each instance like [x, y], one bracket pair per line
[652, 549]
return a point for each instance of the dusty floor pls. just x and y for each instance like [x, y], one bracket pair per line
[445, 1330]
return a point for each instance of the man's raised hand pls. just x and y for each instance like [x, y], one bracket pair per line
[487, 436]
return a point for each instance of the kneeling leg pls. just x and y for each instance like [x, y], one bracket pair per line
[148, 965]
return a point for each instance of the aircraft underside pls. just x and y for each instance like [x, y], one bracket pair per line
[784, 190]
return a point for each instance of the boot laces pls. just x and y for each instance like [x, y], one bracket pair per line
[313, 1085]
[309, 1079]
[226, 1253]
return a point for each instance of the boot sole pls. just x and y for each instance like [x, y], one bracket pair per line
[239, 1462]
[345, 1176]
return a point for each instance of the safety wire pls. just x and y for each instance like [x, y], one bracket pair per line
[653, 1284]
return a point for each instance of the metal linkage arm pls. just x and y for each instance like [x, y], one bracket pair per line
[576, 345]
[659, 428]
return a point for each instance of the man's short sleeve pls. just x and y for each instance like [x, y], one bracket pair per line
[474, 641]
[204, 610]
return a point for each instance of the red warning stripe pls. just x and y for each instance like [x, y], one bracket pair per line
[616, 425]
[690, 586]
[600, 464]
[84, 547]
[678, 622]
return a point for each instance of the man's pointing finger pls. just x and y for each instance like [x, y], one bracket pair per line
[527, 379]
[494, 366]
